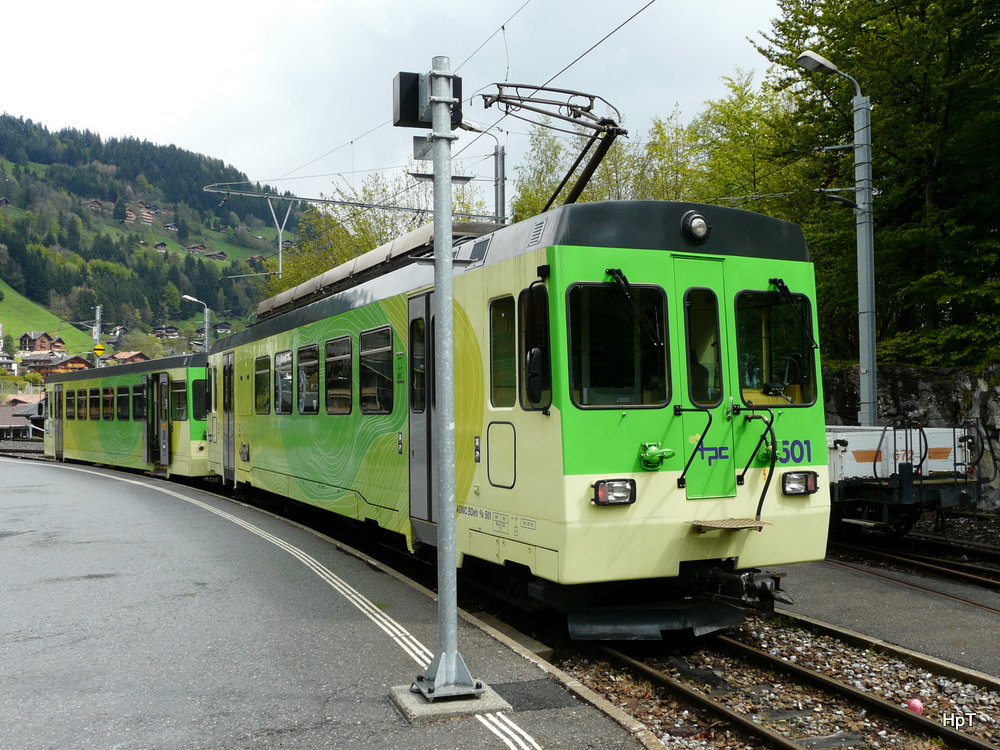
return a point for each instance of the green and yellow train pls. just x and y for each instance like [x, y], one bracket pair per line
[638, 418]
[146, 415]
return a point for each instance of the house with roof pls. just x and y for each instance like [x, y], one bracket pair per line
[40, 341]
[48, 363]
[124, 358]
[167, 332]
[8, 363]
[22, 398]
[15, 426]
[34, 413]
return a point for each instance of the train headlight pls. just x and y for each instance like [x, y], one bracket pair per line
[614, 492]
[800, 482]
[695, 227]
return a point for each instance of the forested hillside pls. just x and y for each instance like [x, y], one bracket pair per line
[124, 224]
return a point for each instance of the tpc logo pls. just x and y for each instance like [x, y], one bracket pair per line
[711, 454]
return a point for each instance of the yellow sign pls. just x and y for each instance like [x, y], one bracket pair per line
[98, 349]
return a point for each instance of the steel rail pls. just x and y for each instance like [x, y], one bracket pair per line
[913, 585]
[699, 700]
[883, 707]
[987, 551]
[963, 572]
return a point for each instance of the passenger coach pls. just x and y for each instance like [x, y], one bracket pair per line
[147, 416]
[639, 414]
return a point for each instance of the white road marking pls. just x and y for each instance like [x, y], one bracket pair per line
[503, 727]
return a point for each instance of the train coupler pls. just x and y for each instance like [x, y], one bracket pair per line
[753, 589]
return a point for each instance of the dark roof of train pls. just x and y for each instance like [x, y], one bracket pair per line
[198, 359]
[654, 225]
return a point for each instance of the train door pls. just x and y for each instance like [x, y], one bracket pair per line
[228, 419]
[708, 399]
[56, 417]
[156, 428]
[421, 415]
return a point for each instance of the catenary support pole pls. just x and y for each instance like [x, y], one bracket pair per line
[447, 676]
[97, 335]
[868, 413]
[499, 182]
[865, 221]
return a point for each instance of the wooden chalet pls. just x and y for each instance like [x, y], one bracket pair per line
[40, 341]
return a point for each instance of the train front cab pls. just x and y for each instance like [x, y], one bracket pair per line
[660, 426]
[704, 452]
[690, 462]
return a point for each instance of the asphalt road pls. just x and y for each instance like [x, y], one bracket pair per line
[141, 614]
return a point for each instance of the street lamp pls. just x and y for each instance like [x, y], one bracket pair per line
[207, 339]
[868, 413]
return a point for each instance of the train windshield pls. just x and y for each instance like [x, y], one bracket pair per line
[774, 341]
[617, 346]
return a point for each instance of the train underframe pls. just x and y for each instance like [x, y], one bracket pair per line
[706, 596]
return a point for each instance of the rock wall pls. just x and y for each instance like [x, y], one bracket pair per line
[936, 397]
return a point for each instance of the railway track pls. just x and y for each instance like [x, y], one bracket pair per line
[945, 567]
[943, 545]
[759, 707]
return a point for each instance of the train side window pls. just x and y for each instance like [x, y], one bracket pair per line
[262, 385]
[308, 379]
[418, 365]
[178, 401]
[122, 403]
[95, 404]
[283, 382]
[533, 335]
[108, 403]
[138, 403]
[339, 399]
[375, 372]
[70, 404]
[81, 404]
[503, 353]
[617, 346]
[701, 313]
[199, 400]
[774, 345]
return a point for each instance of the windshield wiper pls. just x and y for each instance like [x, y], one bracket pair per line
[626, 290]
[786, 295]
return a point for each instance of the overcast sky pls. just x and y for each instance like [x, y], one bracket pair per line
[290, 92]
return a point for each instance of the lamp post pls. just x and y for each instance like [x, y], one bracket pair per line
[868, 413]
[207, 340]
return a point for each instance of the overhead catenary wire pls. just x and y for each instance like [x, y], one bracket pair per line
[500, 29]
